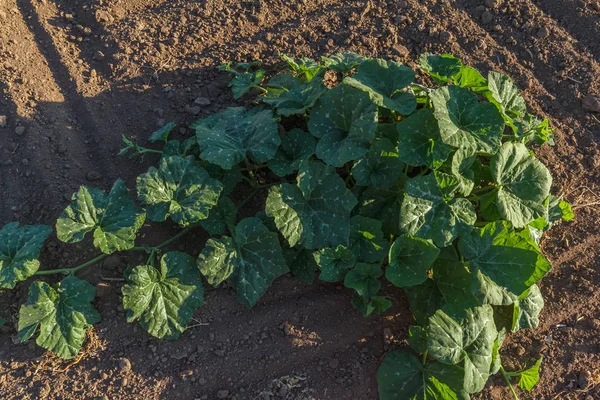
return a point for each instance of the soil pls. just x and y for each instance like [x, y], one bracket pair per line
[76, 75]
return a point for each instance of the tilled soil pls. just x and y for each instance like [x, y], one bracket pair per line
[76, 75]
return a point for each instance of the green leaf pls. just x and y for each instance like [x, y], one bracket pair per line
[296, 146]
[370, 305]
[523, 184]
[316, 212]
[409, 260]
[180, 188]
[442, 68]
[379, 167]
[243, 82]
[306, 67]
[401, 376]
[384, 81]
[429, 212]
[531, 128]
[424, 300]
[417, 338]
[177, 148]
[345, 120]
[419, 141]
[567, 211]
[113, 218]
[62, 314]
[506, 96]
[364, 278]
[164, 300]
[220, 217]
[2, 321]
[298, 99]
[531, 376]
[334, 263]
[470, 78]
[366, 239]
[228, 177]
[462, 161]
[496, 360]
[489, 292]
[384, 205]
[251, 260]
[19, 251]
[470, 340]
[529, 306]
[302, 263]
[465, 122]
[510, 259]
[343, 62]
[162, 133]
[228, 137]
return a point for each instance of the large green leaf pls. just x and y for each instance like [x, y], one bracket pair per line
[164, 300]
[510, 259]
[424, 300]
[364, 278]
[113, 218]
[220, 217]
[251, 260]
[465, 122]
[428, 211]
[419, 141]
[343, 62]
[296, 146]
[62, 313]
[506, 96]
[180, 188]
[523, 184]
[468, 77]
[409, 260]
[384, 205]
[19, 251]
[366, 239]
[316, 212]
[442, 68]
[334, 263]
[302, 263]
[384, 81]
[297, 99]
[527, 311]
[345, 120]
[228, 137]
[401, 376]
[379, 167]
[470, 340]
[462, 161]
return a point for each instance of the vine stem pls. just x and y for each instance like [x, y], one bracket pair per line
[482, 189]
[506, 375]
[425, 357]
[152, 249]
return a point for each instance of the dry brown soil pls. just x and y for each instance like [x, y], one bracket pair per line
[76, 75]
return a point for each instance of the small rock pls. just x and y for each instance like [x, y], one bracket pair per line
[542, 32]
[584, 379]
[93, 176]
[445, 36]
[192, 110]
[402, 4]
[283, 391]
[25, 161]
[490, 3]
[98, 55]
[202, 101]
[487, 17]
[2, 121]
[222, 394]
[591, 103]
[104, 16]
[276, 53]
[19, 130]
[334, 363]
[402, 51]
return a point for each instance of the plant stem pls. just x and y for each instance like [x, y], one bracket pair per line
[153, 250]
[425, 357]
[145, 150]
[512, 390]
[419, 86]
[267, 185]
[70, 271]
[482, 189]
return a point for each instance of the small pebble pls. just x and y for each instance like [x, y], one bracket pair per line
[487, 17]
[584, 379]
[2, 121]
[542, 32]
[202, 101]
[19, 130]
[222, 394]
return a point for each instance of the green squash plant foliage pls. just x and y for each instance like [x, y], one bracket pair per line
[373, 181]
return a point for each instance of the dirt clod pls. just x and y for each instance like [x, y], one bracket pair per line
[583, 381]
[20, 130]
[222, 394]
[3, 121]
[591, 103]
